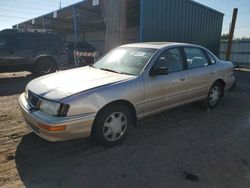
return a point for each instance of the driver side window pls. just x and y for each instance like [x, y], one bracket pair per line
[172, 59]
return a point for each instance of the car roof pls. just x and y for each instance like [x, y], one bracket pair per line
[158, 45]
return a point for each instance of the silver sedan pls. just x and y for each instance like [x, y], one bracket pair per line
[129, 83]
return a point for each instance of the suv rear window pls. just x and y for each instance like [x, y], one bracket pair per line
[48, 41]
[23, 41]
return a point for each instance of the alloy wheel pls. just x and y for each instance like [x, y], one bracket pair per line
[115, 126]
[214, 95]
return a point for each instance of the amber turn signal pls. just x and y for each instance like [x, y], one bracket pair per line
[52, 128]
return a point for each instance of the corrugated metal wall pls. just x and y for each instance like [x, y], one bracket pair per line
[115, 20]
[97, 39]
[181, 21]
[240, 54]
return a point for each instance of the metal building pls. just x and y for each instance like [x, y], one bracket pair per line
[240, 54]
[108, 23]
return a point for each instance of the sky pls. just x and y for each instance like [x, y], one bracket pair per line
[242, 27]
[16, 11]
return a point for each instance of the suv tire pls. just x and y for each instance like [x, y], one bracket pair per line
[45, 66]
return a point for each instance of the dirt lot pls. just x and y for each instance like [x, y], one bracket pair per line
[214, 146]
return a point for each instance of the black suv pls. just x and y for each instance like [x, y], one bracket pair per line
[40, 53]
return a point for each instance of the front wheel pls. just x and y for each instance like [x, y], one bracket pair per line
[214, 95]
[112, 124]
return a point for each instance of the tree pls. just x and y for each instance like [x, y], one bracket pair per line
[243, 38]
[225, 36]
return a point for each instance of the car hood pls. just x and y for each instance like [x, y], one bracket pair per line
[62, 84]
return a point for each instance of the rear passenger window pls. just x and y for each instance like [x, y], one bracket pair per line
[195, 58]
[23, 41]
[172, 59]
[212, 60]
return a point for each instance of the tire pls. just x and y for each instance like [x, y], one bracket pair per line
[82, 62]
[111, 125]
[214, 96]
[45, 66]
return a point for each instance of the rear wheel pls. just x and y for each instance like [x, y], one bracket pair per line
[112, 124]
[45, 66]
[214, 95]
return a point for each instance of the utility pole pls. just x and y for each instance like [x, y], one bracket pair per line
[231, 34]
[60, 4]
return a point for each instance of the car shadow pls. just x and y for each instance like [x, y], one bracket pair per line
[15, 84]
[77, 163]
[37, 160]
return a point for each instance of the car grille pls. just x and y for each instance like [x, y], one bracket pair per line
[33, 99]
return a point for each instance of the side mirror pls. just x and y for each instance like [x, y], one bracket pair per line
[159, 71]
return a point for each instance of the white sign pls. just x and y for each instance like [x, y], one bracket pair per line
[95, 2]
[55, 14]
[33, 21]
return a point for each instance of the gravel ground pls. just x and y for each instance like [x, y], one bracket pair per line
[184, 147]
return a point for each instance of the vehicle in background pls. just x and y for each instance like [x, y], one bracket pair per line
[129, 83]
[81, 46]
[37, 52]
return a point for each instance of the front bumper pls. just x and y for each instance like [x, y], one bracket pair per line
[76, 126]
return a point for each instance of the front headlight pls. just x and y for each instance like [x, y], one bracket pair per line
[49, 107]
[53, 108]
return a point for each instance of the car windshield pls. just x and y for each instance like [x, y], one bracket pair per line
[125, 60]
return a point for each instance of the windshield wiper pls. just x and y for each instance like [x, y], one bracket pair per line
[110, 70]
[127, 73]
